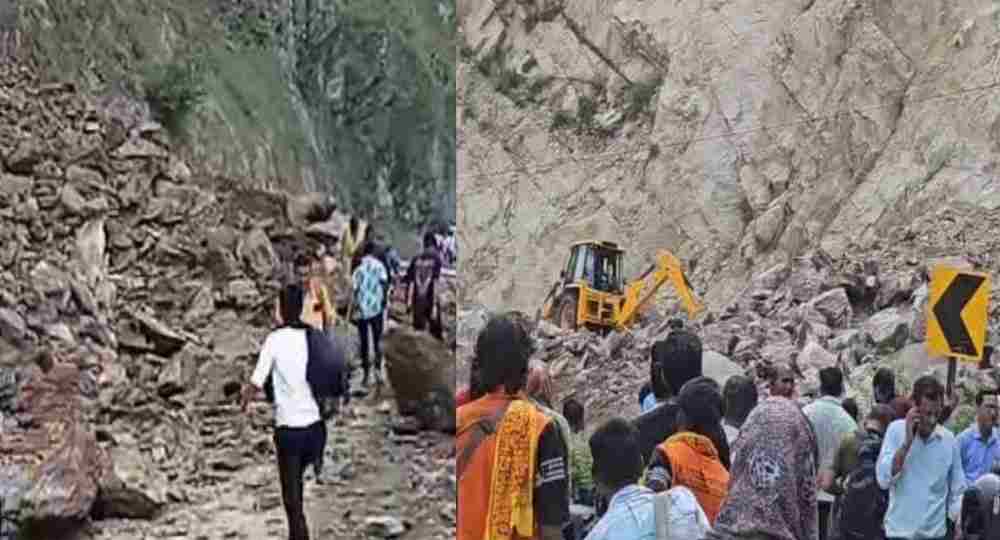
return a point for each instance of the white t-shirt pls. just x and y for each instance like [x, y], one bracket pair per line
[286, 350]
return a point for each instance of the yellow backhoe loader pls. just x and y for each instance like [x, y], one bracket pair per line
[591, 293]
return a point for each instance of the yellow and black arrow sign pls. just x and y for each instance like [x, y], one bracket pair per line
[956, 313]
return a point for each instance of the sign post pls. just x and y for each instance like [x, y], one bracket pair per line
[956, 317]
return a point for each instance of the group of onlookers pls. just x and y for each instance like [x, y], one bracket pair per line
[702, 461]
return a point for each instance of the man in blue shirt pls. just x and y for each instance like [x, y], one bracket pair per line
[370, 280]
[921, 467]
[979, 442]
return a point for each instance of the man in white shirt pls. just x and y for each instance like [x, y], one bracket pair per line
[299, 431]
[831, 423]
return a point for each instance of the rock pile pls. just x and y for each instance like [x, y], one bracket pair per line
[810, 313]
[134, 295]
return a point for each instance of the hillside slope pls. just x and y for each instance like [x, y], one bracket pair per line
[739, 134]
[320, 95]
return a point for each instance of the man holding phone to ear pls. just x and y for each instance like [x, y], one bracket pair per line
[921, 466]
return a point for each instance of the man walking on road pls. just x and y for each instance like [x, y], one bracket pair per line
[921, 466]
[299, 431]
[831, 423]
[370, 280]
[421, 284]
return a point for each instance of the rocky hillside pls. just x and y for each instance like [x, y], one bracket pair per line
[318, 95]
[738, 134]
[810, 314]
[134, 294]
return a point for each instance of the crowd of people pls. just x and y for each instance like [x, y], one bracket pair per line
[303, 368]
[704, 462]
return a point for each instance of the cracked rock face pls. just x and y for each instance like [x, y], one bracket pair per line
[737, 134]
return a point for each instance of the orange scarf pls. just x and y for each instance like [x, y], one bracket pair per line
[695, 464]
[511, 505]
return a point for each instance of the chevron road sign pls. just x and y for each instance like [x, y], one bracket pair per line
[956, 313]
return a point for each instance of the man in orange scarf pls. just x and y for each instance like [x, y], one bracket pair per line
[511, 460]
[689, 458]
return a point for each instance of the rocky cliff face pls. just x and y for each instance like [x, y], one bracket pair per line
[320, 95]
[736, 133]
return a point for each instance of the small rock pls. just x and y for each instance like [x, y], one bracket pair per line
[385, 526]
[140, 148]
[26, 155]
[12, 326]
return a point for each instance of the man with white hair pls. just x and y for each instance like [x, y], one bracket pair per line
[981, 507]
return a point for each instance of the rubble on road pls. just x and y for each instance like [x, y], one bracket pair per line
[810, 313]
[134, 295]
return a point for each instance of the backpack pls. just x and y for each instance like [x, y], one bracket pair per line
[327, 372]
[864, 503]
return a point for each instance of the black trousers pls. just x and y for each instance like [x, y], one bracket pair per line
[824, 518]
[296, 449]
[422, 319]
[372, 327]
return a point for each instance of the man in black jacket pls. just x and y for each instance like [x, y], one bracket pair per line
[675, 361]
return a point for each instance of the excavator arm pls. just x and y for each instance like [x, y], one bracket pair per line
[640, 291]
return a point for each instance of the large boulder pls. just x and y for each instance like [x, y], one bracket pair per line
[310, 208]
[130, 487]
[421, 370]
[64, 487]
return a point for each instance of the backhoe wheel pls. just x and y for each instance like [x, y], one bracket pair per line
[567, 311]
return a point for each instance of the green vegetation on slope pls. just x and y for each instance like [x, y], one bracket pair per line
[383, 87]
[375, 122]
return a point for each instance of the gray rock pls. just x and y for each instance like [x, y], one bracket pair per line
[896, 288]
[243, 293]
[719, 368]
[49, 280]
[130, 488]
[385, 526]
[83, 175]
[164, 340]
[887, 330]
[918, 314]
[767, 227]
[178, 374]
[26, 155]
[71, 200]
[140, 148]
[310, 208]
[12, 326]
[91, 243]
[815, 357]
[835, 306]
[257, 253]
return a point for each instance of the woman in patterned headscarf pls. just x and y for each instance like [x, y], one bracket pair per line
[772, 489]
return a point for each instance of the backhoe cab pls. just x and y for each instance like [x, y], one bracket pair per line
[591, 292]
